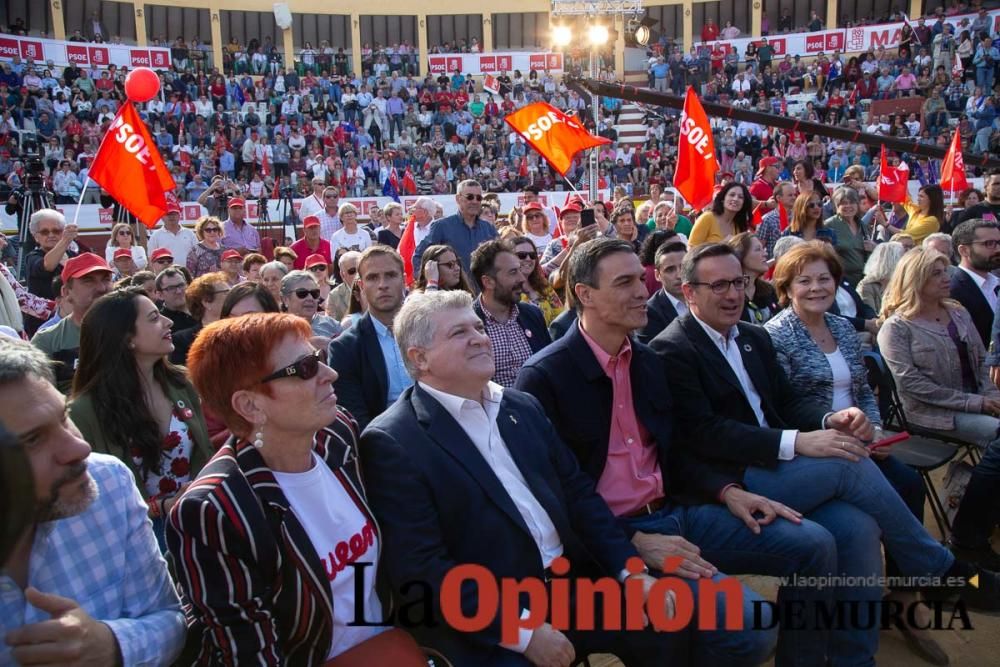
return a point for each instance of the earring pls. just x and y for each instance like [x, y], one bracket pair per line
[258, 438]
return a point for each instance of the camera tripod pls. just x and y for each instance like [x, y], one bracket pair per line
[32, 199]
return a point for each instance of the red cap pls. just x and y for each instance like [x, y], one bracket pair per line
[310, 221]
[237, 201]
[533, 206]
[767, 162]
[173, 206]
[572, 207]
[231, 254]
[316, 259]
[81, 265]
[161, 253]
[122, 252]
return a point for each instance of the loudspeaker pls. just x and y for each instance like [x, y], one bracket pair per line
[282, 15]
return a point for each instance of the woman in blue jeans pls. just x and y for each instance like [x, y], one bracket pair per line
[821, 355]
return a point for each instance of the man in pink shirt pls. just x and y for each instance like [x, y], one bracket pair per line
[608, 398]
[906, 81]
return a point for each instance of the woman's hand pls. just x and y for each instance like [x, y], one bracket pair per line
[431, 271]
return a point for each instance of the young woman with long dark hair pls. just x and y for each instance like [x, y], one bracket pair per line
[129, 401]
[729, 215]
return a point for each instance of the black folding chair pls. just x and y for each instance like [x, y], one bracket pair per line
[925, 451]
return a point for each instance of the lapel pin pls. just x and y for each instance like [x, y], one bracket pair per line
[527, 333]
[514, 421]
[747, 348]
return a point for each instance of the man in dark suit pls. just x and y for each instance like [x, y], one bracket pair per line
[461, 470]
[517, 330]
[667, 303]
[738, 413]
[622, 440]
[973, 285]
[370, 367]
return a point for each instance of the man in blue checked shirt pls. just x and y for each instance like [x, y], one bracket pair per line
[86, 584]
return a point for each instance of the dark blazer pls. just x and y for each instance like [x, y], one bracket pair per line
[865, 312]
[363, 382]
[564, 320]
[965, 290]
[531, 319]
[716, 422]
[439, 504]
[660, 312]
[185, 397]
[251, 580]
[577, 396]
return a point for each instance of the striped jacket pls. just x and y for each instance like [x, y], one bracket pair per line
[807, 368]
[252, 585]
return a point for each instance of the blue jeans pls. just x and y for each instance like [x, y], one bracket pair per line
[781, 549]
[867, 511]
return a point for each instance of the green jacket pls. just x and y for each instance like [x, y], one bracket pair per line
[85, 417]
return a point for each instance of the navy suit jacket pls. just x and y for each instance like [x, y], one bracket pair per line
[531, 319]
[561, 324]
[577, 396]
[363, 383]
[716, 422]
[439, 504]
[660, 312]
[865, 312]
[965, 290]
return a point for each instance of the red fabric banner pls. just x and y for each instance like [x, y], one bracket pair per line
[953, 178]
[694, 176]
[556, 136]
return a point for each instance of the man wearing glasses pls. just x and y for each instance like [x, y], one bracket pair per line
[170, 287]
[974, 285]
[463, 231]
[56, 244]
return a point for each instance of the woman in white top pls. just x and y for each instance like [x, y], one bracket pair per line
[821, 356]
[121, 237]
[350, 236]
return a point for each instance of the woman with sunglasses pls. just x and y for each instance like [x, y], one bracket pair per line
[807, 220]
[121, 237]
[270, 576]
[159, 433]
[206, 256]
[205, 296]
[440, 269]
[300, 294]
[537, 289]
[318, 266]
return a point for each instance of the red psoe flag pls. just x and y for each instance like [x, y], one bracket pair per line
[128, 165]
[694, 176]
[407, 246]
[892, 181]
[555, 135]
[953, 168]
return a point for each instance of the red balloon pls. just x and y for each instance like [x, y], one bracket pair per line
[142, 84]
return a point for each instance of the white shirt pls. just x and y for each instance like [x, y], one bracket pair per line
[359, 240]
[730, 350]
[419, 233]
[334, 522]
[311, 205]
[843, 387]
[138, 256]
[680, 306]
[479, 421]
[845, 303]
[179, 244]
[987, 285]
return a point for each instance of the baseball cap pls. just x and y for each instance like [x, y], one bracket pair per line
[122, 252]
[310, 221]
[81, 265]
[231, 254]
[533, 206]
[237, 201]
[316, 259]
[161, 253]
[572, 207]
[173, 206]
[767, 162]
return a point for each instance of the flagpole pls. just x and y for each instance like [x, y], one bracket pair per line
[79, 203]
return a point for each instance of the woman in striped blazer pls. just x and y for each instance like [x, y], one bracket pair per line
[269, 539]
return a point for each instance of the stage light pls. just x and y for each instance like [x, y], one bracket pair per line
[561, 35]
[598, 34]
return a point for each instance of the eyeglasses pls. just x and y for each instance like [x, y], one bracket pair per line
[211, 230]
[722, 286]
[319, 268]
[473, 197]
[221, 291]
[303, 293]
[124, 232]
[163, 260]
[49, 232]
[449, 265]
[329, 196]
[527, 255]
[814, 204]
[304, 369]
[351, 271]
[174, 288]
[992, 244]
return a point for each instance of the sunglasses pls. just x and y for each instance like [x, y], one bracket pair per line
[304, 369]
[211, 230]
[303, 293]
[527, 255]
[164, 260]
[124, 232]
[814, 204]
[473, 197]
[319, 268]
[351, 271]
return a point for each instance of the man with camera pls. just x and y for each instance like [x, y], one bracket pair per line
[217, 194]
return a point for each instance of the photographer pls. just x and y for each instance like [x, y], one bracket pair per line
[216, 196]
